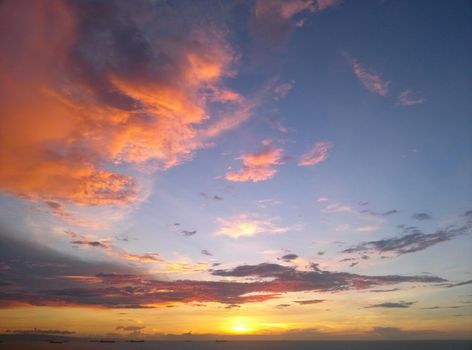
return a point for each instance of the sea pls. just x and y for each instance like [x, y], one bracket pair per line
[241, 345]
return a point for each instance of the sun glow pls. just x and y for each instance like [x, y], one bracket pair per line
[242, 326]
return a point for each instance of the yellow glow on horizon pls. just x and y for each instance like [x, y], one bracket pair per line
[242, 325]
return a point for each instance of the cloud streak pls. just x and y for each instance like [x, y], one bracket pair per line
[371, 80]
[407, 98]
[412, 242]
[246, 225]
[70, 281]
[393, 305]
[317, 154]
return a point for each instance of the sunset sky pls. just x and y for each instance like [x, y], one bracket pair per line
[264, 169]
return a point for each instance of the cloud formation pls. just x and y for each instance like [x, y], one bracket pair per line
[393, 305]
[70, 281]
[309, 302]
[411, 242]
[371, 80]
[288, 257]
[258, 166]
[317, 154]
[110, 91]
[246, 225]
[421, 216]
[407, 98]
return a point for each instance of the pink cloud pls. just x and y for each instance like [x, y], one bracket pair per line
[407, 98]
[371, 80]
[316, 155]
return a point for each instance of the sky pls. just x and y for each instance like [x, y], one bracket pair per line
[256, 169]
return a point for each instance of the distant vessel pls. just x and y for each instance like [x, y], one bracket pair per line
[220, 341]
[135, 341]
[58, 341]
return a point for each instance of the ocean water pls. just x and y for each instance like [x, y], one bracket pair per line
[243, 345]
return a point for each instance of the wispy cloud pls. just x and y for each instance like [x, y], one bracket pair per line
[411, 242]
[407, 98]
[258, 166]
[459, 284]
[379, 214]
[309, 302]
[421, 216]
[393, 305]
[246, 225]
[317, 154]
[367, 229]
[188, 233]
[282, 90]
[371, 80]
[41, 331]
[337, 208]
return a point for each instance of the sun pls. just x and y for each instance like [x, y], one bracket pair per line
[241, 326]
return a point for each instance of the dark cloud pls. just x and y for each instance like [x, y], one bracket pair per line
[41, 276]
[309, 302]
[206, 252]
[188, 233]
[395, 333]
[289, 278]
[440, 307]
[411, 242]
[379, 214]
[384, 290]
[260, 270]
[393, 305]
[288, 257]
[129, 328]
[459, 284]
[40, 331]
[282, 306]
[97, 244]
[421, 216]
[214, 197]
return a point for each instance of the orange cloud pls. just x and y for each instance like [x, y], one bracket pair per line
[75, 110]
[316, 155]
[257, 166]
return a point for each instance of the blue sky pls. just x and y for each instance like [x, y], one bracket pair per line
[322, 147]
